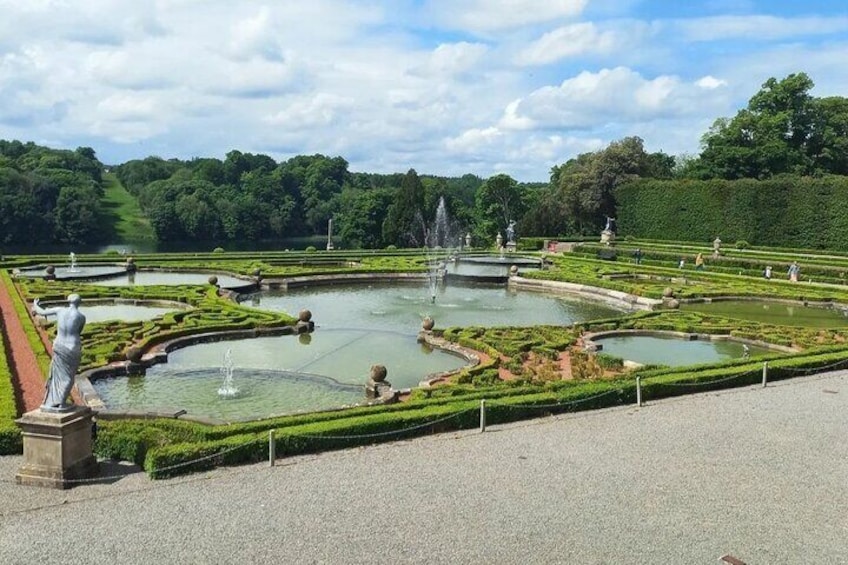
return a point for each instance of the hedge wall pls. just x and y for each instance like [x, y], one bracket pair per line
[786, 211]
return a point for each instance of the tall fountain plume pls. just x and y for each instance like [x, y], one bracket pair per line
[228, 389]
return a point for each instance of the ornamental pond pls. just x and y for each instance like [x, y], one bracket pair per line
[356, 327]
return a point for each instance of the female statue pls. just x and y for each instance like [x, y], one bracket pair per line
[67, 352]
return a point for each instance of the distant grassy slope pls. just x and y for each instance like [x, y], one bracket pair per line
[122, 217]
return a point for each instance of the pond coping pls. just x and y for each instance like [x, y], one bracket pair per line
[588, 339]
[614, 297]
[339, 278]
[470, 355]
[829, 304]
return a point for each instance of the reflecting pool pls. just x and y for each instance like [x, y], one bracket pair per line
[771, 312]
[170, 278]
[674, 352]
[356, 327]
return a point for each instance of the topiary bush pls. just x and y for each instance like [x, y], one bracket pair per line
[218, 250]
[742, 244]
[311, 249]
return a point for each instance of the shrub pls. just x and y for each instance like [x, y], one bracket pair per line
[391, 247]
[742, 244]
[311, 249]
[218, 250]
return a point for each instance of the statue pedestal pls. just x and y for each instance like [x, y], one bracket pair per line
[607, 237]
[510, 247]
[57, 447]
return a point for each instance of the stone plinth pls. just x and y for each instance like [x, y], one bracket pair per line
[510, 247]
[607, 237]
[57, 447]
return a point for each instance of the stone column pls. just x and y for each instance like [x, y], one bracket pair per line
[57, 447]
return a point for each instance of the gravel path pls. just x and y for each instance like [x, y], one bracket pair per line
[761, 474]
[30, 381]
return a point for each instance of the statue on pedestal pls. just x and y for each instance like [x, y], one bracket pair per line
[67, 352]
[510, 232]
[608, 234]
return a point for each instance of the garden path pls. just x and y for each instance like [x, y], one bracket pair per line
[27, 377]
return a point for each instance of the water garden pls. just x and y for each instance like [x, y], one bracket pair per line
[190, 360]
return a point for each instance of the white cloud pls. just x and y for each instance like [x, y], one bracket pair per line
[612, 95]
[387, 85]
[567, 41]
[710, 82]
[495, 15]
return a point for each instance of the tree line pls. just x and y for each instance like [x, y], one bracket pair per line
[783, 131]
[49, 195]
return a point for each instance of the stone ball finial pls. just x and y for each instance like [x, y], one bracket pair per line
[133, 354]
[378, 373]
[668, 292]
[428, 323]
[304, 315]
[513, 270]
[51, 270]
[213, 280]
[130, 260]
[673, 304]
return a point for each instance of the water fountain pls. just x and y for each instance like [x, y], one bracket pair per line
[228, 389]
[436, 244]
[73, 260]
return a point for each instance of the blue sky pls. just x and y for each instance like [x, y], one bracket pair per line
[443, 86]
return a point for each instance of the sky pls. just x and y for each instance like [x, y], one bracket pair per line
[446, 87]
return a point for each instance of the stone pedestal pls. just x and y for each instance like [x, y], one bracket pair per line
[510, 247]
[607, 237]
[57, 447]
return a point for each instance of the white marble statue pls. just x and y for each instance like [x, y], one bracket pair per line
[67, 352]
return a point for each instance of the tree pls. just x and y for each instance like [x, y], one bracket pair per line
[404, 223]
[782, 130]
[498, 202]
[77, 215]
[586, 185]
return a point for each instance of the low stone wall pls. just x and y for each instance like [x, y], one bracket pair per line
[589, 339]
[613, 297]
[341, 278]
[455, 349]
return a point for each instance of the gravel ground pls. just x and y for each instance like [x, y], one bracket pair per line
[761, 474]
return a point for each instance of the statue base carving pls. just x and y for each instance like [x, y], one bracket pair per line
[510, 247]
[607, 237]
[57, 448]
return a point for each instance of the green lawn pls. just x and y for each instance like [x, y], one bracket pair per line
[123, 218]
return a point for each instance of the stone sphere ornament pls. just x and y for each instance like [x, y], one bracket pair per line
[213, 280]
[668, 292]
[51, 270]
[378, 373]
[428, 324]
[304, 316]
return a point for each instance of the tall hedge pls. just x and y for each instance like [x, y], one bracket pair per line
[800, 212]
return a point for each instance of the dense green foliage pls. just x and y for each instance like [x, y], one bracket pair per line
[785, 211]
[49, 195]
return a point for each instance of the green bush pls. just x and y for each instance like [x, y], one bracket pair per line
[311, 249]
[218, 250]
[742, 244]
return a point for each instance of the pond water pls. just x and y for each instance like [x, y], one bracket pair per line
[403, 307]
[773, 312]
[80, 271]
[356, 327]
[276, 375]
[170, 278]
[123, 312]
[672, 351]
